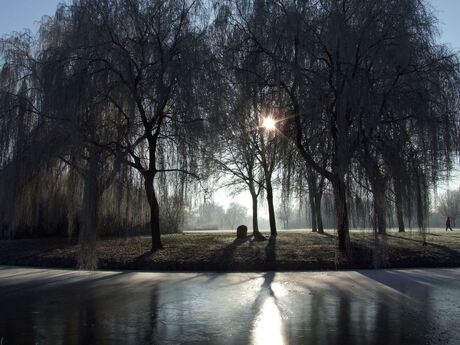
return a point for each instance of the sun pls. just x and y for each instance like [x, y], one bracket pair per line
[269, 124]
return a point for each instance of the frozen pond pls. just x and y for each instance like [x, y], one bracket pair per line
[42, 306]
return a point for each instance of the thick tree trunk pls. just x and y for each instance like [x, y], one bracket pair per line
[378, 189]
[154, 214]
[319, 219]
[341, 209]
[271, 208]
[398, 206]
[88, 231]
[379, 215]
[314, 216]
[255, 222]
[378, 184]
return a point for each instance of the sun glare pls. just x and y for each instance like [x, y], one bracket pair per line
[268, 327]
[269, 124]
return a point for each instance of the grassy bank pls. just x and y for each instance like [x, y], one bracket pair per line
[220, 251]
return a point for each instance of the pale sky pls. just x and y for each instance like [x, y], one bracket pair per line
[17, 15]
[448, 12]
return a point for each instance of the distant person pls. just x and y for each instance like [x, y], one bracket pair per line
[448, 224]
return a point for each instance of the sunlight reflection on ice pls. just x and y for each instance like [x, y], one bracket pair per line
[268, 327]
[278, 289]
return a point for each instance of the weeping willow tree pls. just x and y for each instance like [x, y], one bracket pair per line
[103, 90]
[73, 128]
[31, 202]
[144, 97]
[53, 177]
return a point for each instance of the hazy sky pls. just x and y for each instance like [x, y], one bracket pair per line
[17, 15]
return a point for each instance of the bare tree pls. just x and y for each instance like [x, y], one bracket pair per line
[236, 158]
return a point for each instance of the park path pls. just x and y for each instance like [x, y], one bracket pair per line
[50, 306]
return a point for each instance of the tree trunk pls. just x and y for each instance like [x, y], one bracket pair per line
[319, 219]
[88, 231]
[379, 215]
[380, 252]
[378, 184]
[311, 180]
[271, 208]
[314, 215]
[378, 189]
[255, 222]
[398, 206]
[341, 209]
[154, 213]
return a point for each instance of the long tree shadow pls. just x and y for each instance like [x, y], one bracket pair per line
[270, 254]
[265, 310]
[63, 281]
[142, 261]
[406, 239]
[254, 312]
[446, 249]
[224, 259]
[326, 234]
[141, 258]
[402, 281]
[220, 261]
[265, 293]
[359, 255]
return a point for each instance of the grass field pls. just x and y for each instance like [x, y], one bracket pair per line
[222, 252]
